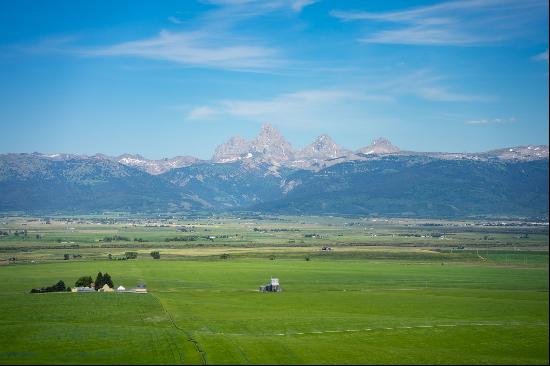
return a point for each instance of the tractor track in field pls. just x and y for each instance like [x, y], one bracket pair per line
[189, 336]
[411, 327]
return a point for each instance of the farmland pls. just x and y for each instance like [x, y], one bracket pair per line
[389, 291]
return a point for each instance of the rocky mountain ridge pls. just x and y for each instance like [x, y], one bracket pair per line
[271, 148]
[391, 184]
[151, 166]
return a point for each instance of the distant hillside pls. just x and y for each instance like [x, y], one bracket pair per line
[33, 183]
[268, 175]
[229, 186]
[423, 187]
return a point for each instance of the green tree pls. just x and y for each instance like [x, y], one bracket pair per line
[98, 281]
[155, 255]
[131, 255]
[84, 281]
[58, 287]
[107, 280]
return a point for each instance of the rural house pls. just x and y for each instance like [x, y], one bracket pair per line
[140, 289]
[82, 289]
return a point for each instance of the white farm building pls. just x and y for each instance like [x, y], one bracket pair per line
[273, 286]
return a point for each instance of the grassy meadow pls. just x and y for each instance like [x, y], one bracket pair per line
[387, 292]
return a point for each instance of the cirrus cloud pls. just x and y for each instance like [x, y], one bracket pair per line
[454, 23]
[492, 121]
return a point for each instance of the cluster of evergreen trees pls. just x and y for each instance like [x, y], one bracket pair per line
[131, 255]
[103, 279]
[58, 287]
[100, 280]
[84, 281]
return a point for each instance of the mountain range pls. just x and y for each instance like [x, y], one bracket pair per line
[268, 175]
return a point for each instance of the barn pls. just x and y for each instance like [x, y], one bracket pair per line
[273, 286]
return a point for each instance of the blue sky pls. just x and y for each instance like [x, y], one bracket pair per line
[180, 77]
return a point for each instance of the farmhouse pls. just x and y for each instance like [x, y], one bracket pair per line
[271, 287]
[82, 289]
[140, 289]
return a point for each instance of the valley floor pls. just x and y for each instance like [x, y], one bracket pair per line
[376, 304]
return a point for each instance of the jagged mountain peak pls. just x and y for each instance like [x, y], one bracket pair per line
[271, 146]
[154, 166]
[268, 128]
[269, 134]
[323, 147]
[380, 145]
[130, 156]
[381, 141]
[324, 139]
[234, 149]
[268, 146]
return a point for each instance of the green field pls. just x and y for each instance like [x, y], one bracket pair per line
[380, 299]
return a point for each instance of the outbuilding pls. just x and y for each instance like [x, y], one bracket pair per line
[273, 286]
[106, 288]
[82, 289]
[140, 289]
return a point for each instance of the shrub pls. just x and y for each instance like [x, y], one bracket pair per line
[131, 255]
[58, 287]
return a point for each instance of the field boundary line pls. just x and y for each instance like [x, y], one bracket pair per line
[190, 338]
[403, 327]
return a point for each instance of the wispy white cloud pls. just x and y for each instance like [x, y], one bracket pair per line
[456, 23]
[298, 5]
[322, 106]
[201, 113]
[493, 121]
[426, 85]
[209, 40]
[541, 56]
[422, 35]
[262, 6]
[308, 107]
[315, 106]
[193, 49]
[442, 94]
[295, 101]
